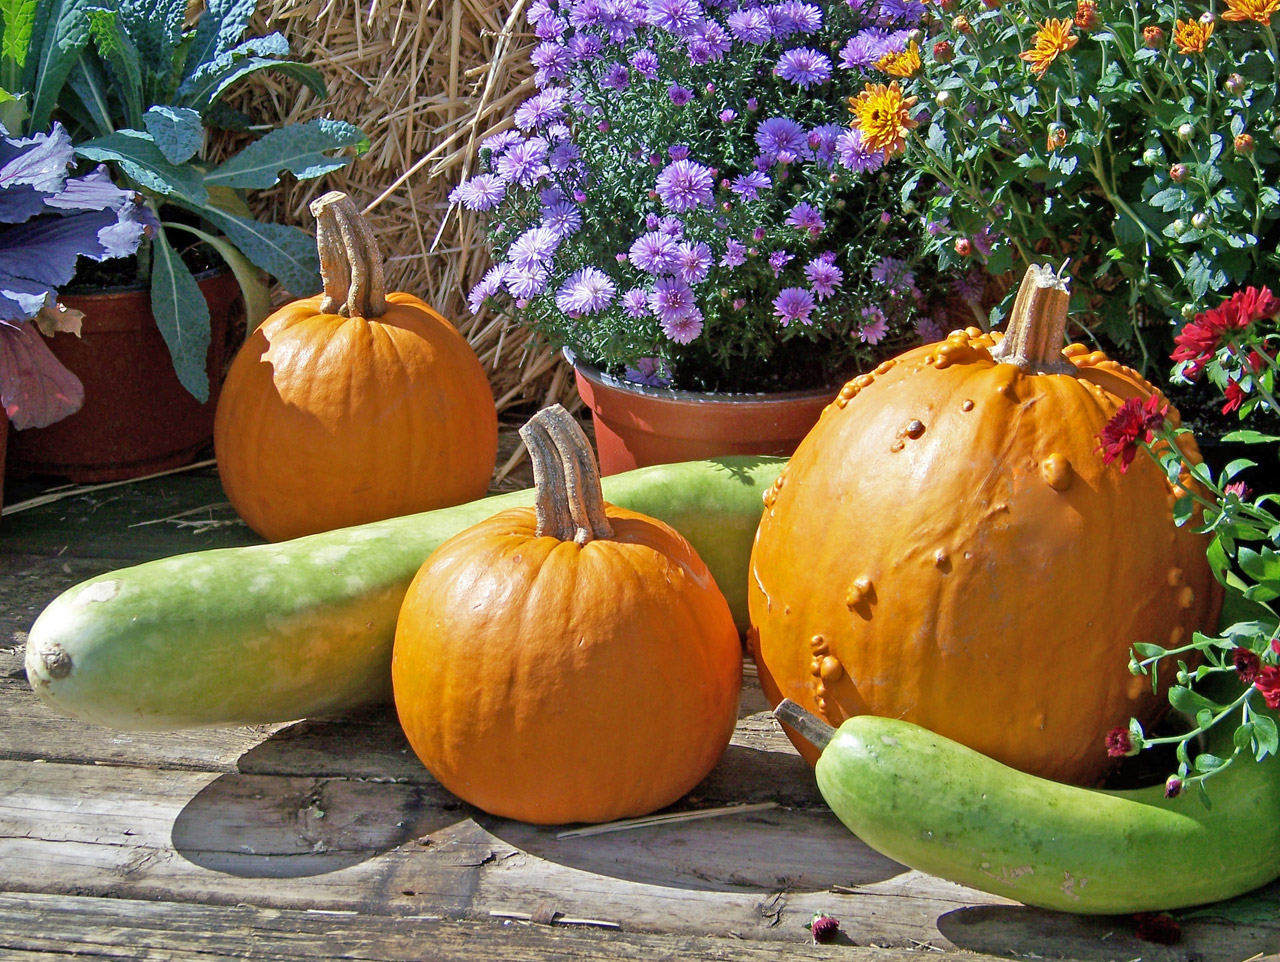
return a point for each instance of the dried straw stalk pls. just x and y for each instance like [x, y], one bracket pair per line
[426, 80]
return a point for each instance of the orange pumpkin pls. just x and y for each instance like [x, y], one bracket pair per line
[573, 662]
[947, 546]
[352, 406]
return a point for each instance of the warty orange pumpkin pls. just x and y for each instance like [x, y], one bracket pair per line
[572, 662]
[948, 547]
[354, 405]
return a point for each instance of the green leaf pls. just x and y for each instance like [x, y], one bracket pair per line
[140, 158]
[177, 131]
[1189, 702]
[182, 314]
[19, 25]
[1266, 735]
[220, 28]
[287, 253]
[1262, 566]
[155, 28]
[253, 283]
[117, 49]
[1250, 437]
[297, 148]
[1148, 650]
[61, 33]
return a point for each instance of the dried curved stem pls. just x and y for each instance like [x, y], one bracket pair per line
[350, 260]
[570, 501]
[1037, 325]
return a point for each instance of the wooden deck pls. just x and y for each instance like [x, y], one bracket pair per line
[326, 839]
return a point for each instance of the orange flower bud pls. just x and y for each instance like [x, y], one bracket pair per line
[1153, 37]
[943, 52]
[961, 25]
[1086, 14]
[964, 247]
[1178, 173]
[1244, 144]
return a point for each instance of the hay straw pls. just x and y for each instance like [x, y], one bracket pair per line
[427, 80]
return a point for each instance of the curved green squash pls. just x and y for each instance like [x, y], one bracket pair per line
[274, 632]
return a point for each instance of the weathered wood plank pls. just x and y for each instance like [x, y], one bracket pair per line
[48, 928]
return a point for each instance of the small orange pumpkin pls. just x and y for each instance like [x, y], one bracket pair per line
[947, 546]
[572, 662]
[354, 405]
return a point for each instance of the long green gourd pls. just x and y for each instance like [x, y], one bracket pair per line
[275, 632]
[939, 807]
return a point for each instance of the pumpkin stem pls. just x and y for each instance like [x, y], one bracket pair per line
[569, 500]
[810, 727]
[1034, 337]
[350, 260]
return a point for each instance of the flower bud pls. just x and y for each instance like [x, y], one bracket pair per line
[1207, 17]
[1244, 144]
[739, 303]
[1178, 173]
[1188, 310]
[1186, 131]
[943, 52]
[1057, 136]
[1200, 220]
[833, 179]
[944, 99]
[1234, 84]
[824, 928]
[1152, 156]
[1086, 14]
[964, 247]
[961, 25]
[915, 35]
[1153, 37]
[1275, 133]
[1173, 787]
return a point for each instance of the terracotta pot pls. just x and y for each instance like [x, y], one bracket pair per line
[137, 417]
[637, 425]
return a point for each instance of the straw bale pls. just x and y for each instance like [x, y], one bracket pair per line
[427, 80]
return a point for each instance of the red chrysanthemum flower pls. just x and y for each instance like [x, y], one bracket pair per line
[1120, 743]
[1131, 425]
[1247, 664]
[1235, 396]
[824, 928]
[1200, 339]
[1239, 489]
[1268, 682]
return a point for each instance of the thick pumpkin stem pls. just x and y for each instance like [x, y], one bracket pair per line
[350, 260]
[1037, 325]
[808, 725]
[569, 500]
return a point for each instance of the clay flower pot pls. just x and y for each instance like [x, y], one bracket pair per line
[137, 417]
[636, 425]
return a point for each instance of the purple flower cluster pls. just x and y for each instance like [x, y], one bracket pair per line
[677, 176]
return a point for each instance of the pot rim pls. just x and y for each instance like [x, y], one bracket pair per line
[135, 287]
[594, 374]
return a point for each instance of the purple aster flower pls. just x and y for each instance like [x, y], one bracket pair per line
[550, 28]
[716, 41]
[636, 302]
[563, 156]
[585, 13]
[804, 17]
[892, 273]
[535, 247]
[854, 155]
[936, 227]
[489, 286]
[873, 327]
[671, 226]
[645, 63]
[781, 136]
[526, 282]
[970, 286]
[823, 141]
[735, 253]
[679, 95]
[621, 18]
[684, 185]
[677, 151]
[650, 371]
[541, 109]
[728, 116]
[932, 329]
[497, 143]
[524, 163]
[750, 25]
[675, 16]
[693, 261]
[671, 299]
[748, 186]
[586, 291]
[864, 49]
[551, 62]
[562, 218]
[617, 77]
[983, 241]
[780, 22]
[654, 253]
[823, 275]
[537, 11]
[585, 47]
[482, 192]
[683, 329]
[807, 217]
[793, 304]
[803, 67]
[901, 11]
[778, 260]
[556, 133]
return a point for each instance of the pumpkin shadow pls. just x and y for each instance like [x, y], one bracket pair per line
[314, 797]
[797, 847]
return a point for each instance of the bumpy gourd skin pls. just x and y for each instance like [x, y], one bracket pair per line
[554, 682]
[947, 547]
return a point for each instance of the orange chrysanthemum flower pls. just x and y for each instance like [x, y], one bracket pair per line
[1053, 37]
[1260, 11]
[883, 116]
[901, 63]
[1191, 36]
[1086, 14]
